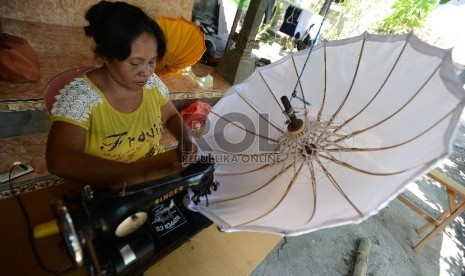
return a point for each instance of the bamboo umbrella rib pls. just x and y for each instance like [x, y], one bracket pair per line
[347, 165]
[323, 101]
[289, 186]
[379, 90]
[246, 130]
[271, 91]
[265, 166]
[249, 155]
[259, 114]
[295, 153]
[355, 149]
[338, 188]
[253, 156]
[334, 115]
[357, 67]
[397, 111]
[325, 125]
[314, 190]
[254, 191]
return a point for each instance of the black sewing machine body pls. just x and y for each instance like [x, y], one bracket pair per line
[124, 232]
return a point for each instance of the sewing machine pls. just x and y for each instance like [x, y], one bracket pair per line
[124, 232]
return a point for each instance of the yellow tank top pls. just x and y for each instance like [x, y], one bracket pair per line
[113, 135]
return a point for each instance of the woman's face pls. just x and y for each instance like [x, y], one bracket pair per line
[134, 71]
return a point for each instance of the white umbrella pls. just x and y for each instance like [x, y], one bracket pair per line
[382, 111]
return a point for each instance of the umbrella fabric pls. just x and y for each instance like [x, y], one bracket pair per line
[382, 111]
[185, 45]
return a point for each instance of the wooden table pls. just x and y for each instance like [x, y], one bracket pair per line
[212, 252]
[456, 202]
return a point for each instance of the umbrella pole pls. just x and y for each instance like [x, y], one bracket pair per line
[296, 127]
[361, 263]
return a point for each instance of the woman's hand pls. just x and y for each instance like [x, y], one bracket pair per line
[161, 165]
[157, 171]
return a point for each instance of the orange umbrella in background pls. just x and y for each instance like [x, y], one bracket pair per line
[185, 45]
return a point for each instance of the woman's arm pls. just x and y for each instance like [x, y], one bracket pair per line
[175, 124]
[65, 157]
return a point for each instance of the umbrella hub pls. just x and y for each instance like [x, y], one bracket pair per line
[309, 149]
[297, 128]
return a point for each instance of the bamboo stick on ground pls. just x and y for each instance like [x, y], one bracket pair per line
[361, 263]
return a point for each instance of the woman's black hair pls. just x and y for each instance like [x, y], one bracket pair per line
[115, 25]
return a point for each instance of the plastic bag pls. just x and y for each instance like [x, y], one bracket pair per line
[195, 115]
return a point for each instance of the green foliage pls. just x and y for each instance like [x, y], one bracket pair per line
[264, 34]
[346, 21]
[407, 15]
[242, 4]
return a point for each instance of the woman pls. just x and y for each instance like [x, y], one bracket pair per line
[107, 123]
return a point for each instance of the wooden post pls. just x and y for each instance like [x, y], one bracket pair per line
[238, 64]
[361, 263]
[324, 7]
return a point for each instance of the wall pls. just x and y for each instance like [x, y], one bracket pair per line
[71, 12]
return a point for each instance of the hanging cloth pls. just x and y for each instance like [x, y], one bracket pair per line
[303, 23]
[297, 22]
[291, 18]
